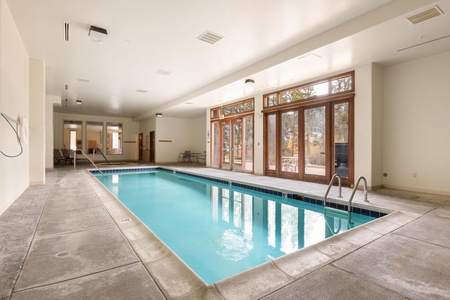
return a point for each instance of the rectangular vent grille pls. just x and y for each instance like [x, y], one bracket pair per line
[425, 15]
[210, 37]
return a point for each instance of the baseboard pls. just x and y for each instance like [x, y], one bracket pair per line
[411, 189]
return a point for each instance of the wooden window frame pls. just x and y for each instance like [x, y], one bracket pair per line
[329, 101]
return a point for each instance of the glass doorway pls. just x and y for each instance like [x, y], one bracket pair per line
[235, 137]
[310, 142]
[289, 142]
[315, 141]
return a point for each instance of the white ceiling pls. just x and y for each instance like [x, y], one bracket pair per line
[276, 43]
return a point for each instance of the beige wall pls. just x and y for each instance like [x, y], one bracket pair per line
[36, 121]
[368, 124]
[184, 134]
[416, 125]
[14, 101]
[173, 136]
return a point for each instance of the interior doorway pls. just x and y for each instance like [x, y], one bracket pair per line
[141, 146]
[152, 146]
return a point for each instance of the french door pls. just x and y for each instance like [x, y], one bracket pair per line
[232, 144]
[310, 142]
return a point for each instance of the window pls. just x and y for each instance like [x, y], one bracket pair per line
[340, 84]
[113, 138]
[73, 137]
[237, 108]
[308, 130]
[94, 136]
[232, 136]
[73, 140]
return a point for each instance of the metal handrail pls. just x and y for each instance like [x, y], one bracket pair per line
[329, 187]
[354, 191]
[101, 152]
[75, 160]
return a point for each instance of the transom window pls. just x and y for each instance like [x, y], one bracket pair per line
[237, 108]
[339, 84]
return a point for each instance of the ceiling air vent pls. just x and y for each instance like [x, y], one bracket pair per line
[425, 15]
[210, 37]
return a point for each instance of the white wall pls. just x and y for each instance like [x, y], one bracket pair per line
[130, 131]
[363, 123]
[183, 134]
[14, 101]
[416, 125]
[36, 121]
[49, 102]
[377, 126]
[173, 136]
[368, 124]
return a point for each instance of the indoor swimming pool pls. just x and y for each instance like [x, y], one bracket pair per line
[219, 228]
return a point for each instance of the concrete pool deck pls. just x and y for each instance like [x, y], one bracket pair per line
[71, 239]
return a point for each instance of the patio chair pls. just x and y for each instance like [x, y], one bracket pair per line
[184, 157]
[68, 156]
[59, 156]
[201, 158]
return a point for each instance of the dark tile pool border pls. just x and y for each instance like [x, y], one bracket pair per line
[343, 207]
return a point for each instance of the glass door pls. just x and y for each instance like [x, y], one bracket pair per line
[247, 162]
[237, 152]
[315, 145]
[215, 145]
[310, 142]
[232, 144]
[226, 145]
[271, 144]
[342, 145]
[289, 143]
[242, 152]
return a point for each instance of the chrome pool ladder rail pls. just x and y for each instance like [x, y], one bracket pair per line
[329, 188]
[82, 152]
[354, 191]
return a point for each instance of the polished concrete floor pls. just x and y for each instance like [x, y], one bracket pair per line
[71, 239]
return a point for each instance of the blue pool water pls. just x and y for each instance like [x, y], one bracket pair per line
[220, 230]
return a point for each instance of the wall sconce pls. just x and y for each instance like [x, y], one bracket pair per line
[159, 115]
[249, 85]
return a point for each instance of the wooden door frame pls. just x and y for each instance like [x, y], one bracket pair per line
[141, 146]
[329, 132]
[152, 150]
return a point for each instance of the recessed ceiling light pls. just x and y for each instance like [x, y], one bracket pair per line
[79, 102]
[83, 80]
[141, 91]
[163, 72]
